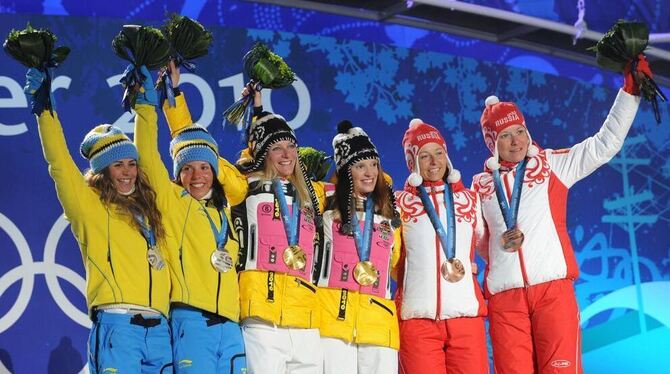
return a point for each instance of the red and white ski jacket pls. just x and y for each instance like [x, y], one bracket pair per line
[422, 292]
[547, 253]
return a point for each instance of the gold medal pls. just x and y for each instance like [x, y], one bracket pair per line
[154, 257]
[221, 260]
[294, 257]
[365, 273]
[512, 240]
[452, 270]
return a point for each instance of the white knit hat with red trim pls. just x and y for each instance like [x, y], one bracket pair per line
[417, 135]
[498, 116]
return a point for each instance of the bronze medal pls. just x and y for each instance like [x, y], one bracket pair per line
[154, 257]
[452, 270]
[294, 257]
[365, 273]
[221, 260]
[512, 245]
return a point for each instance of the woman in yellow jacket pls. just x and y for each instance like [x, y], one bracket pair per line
[205, 295]
[359, 326]
[277, 225]
[115, 219]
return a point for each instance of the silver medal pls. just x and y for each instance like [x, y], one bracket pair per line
[154, 257]
[221, 260]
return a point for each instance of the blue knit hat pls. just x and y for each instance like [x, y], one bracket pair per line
[104, 145]
[193, 143]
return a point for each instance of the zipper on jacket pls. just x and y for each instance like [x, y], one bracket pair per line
[218, 291]
[438, 303]
[150, 283]
[373, 301]
[252, 241]
[109, 256]
[307, 285]
[326, 263]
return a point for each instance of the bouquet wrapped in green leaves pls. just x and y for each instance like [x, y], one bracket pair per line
[317, 163]
[139, 45]
[621, 46]
[188, 40]
[266, 70]
[34, 48]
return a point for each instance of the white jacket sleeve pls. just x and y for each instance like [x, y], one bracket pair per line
[573, 164]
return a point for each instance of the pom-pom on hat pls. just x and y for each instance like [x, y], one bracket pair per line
[352, 144]
[104, 145]
[417, 135]
[496, 117]
[193, 143]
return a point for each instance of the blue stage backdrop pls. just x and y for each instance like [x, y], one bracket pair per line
[617, 217]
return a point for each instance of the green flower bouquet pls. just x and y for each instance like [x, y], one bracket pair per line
[317, 163]
[267, 70]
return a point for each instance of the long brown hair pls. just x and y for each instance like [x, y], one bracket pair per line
[382, 195]
[141, 202]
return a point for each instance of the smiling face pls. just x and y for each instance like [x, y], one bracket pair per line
[123, 174]
[432, 162]
[282, 157]
[197, 178]
[364, 174]
[513, 143]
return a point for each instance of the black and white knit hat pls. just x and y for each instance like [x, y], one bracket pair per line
[268, 129]
[350, 145]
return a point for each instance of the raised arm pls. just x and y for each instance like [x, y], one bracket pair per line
[577, 162]
[234, 183]
[72, 190]
[146, 137]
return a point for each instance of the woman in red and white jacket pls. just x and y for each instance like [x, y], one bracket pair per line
[440, 303]
[359, 326]
[534, 317]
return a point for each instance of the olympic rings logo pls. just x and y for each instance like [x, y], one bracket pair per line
[29, 268]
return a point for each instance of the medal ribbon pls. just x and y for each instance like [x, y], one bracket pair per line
[448, 246]
[147, 231]
[510, 212]
[289, 219]
[363, 241]
[219, 235]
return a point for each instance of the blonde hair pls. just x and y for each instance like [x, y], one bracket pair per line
[297, 179]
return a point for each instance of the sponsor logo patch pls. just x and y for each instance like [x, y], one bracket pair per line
[561, 364]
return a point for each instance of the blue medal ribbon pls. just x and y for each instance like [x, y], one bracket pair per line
[510, 212]
[363, 241]
[448, 246]
[219, 235]
[167, 92]
[289, 219]
[131, 78]
[147, 231]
